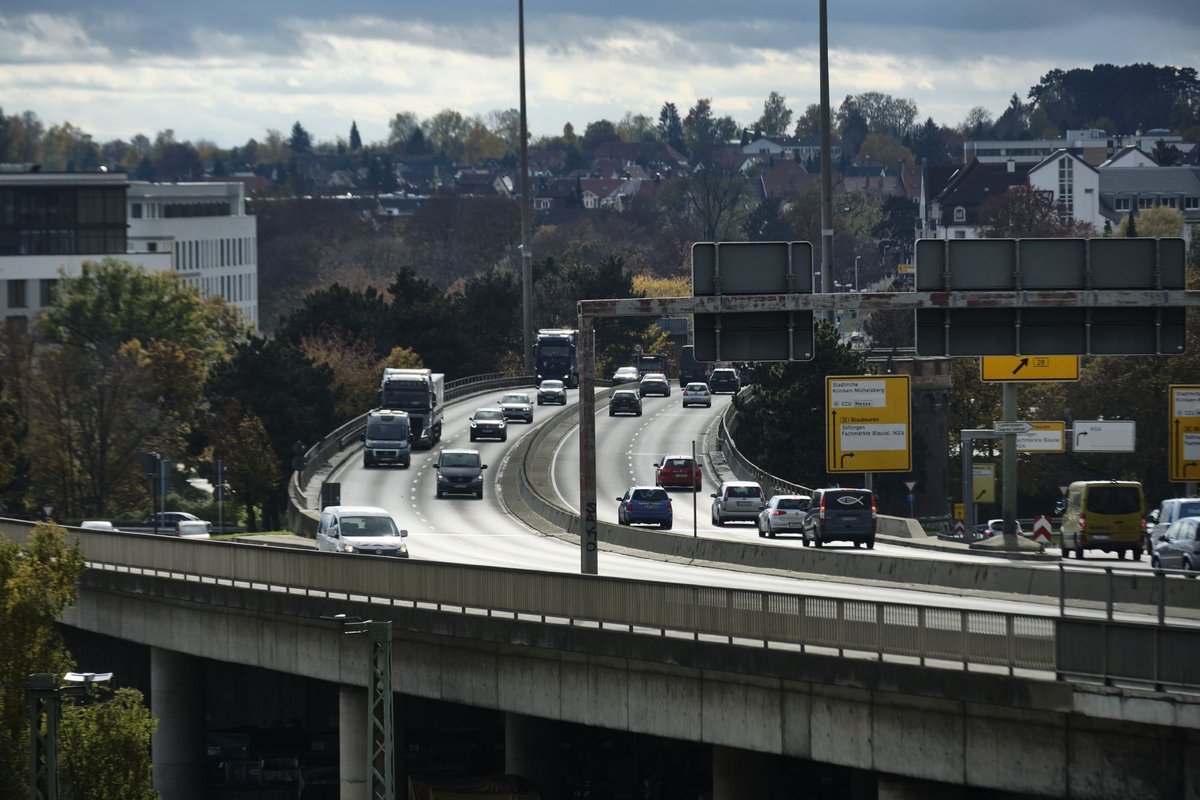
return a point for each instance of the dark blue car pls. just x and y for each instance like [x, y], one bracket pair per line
[645, 504]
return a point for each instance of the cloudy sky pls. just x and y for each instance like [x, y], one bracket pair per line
[227, 71]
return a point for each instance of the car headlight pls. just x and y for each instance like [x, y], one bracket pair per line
[472, 423]
[478, 479]
[347, 548]
[403, 549]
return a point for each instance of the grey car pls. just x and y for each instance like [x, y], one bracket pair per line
[459, 472]
[1178, 547]
[517, 406]
[841, 515]
[488, 423]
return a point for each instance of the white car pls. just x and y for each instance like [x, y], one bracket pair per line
[697, 394]
[552, 392]
[625, 375]
[368, 530]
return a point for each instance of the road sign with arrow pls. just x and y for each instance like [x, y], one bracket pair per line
[1029, 369]
[1103, 436]
[1185, 434]
[869, 424]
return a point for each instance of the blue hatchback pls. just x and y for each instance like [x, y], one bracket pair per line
[648, 504]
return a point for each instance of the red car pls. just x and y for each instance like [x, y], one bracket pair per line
[677, 470]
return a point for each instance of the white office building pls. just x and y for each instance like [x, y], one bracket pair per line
[50, 223]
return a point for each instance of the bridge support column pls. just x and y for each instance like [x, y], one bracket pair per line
[352, 743]
[177, 700]
[529, 747]
[740, 773]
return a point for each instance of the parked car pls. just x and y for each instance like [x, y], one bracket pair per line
[677, 470]
[459, 472]
[552, 392]
[517, 405]
[697, 394]
[1168, 511]
[841, 515]
[724, 379]
[489, 423]
[1178, 547]
[368, 530]
[625, 375]
[645, 504]
[737, 501]
[784, 513]
[167, 520]
[1104, 515]
[654, 383]
[625, 401]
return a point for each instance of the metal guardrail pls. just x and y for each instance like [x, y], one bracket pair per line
[934, 636]
[743, 467]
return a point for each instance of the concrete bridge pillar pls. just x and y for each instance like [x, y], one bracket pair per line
[352, 743]
[530, 745]
[177, 746]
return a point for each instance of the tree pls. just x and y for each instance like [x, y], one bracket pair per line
[885, 150]
[177, 162]
[636, 128]
[400, 129]
[893, 116]
[1024, 212]
[1166, 155]
[1157, 222]
[929, 145]
[700, 130]
[445, 132]
[1131, 97]
[978, 124]
[482, 144]
[808, 126]
[300, 143]
[670, 127]
[776, 117]
[786, 393]
[121, 363]
[104, 751]
[710, 203]
[1014, 122]
[597, 133]
[252, 471]
[355, 139]
[66, 147]
[853, 126]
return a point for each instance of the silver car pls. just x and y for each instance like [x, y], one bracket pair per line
[737, 501]
[1178, 547]
[517, 405]
[784, 513]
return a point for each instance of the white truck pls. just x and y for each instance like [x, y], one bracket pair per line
[421, 394]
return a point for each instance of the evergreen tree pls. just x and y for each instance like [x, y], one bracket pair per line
[355, 139]
[299, 142]
[670, 127]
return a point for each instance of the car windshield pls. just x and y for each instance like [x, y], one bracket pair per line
[484, 414]
[460, 460]
[368, 526]
[514, 398]
[552, 384]
[649, 494]
[395, 430]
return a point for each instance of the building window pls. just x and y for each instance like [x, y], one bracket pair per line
[1145, 202]
[1066, 184]
[1121, 204]
[47, 291]
[960, 234]
[16, 293]
[1191, 203]
[151, 247]
[960, 214]
[135, 210]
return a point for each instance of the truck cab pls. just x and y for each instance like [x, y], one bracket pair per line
[421, 394]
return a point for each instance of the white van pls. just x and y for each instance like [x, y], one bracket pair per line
[360, 529]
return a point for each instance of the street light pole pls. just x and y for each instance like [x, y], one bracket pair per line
[856, 258]
[526, 210]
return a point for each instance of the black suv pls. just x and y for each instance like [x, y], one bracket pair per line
[841, 515]
[625, 401]
[724, 380]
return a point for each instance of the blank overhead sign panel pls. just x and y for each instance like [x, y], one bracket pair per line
[740, 268]
[978, 266]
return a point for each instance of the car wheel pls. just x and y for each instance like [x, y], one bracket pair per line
[638, 413]
[817, 540]
[1137, 554]
[770, 532]
[439, 494]
[1079, 553]
[1154, 561]
[1121, 554]
[406, 464]
[666, 526]
[539, 401]
[761, 532]
[366, 464]
[479, 495]
[804, 540]
[504, 438]
[857, 544]
[612, 413]
[870, 544]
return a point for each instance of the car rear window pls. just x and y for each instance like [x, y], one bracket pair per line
[848, 499]
[1189, 509]
[1114, 500]
[792, 504]
[678, 462]
[743, 491]
[649, 494]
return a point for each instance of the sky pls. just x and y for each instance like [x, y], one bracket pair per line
[226, 71]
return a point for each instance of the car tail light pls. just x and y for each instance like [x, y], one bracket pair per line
[873, 513]
[777, 513]
[821, 512]
[1082, 522]
[629, 505]
[670, 505]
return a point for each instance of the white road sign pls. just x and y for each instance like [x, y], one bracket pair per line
[1103, 436]
[1011, 426]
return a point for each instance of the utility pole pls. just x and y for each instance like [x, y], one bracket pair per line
[526, 208]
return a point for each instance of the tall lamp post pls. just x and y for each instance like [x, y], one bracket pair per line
[43, 694]
[856, 259]
[526, 208]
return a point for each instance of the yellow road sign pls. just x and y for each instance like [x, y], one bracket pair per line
[1184, 450]
[1027, 369]
[869, 424]
[983, 483]
[960, 511]
[1044, 437]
